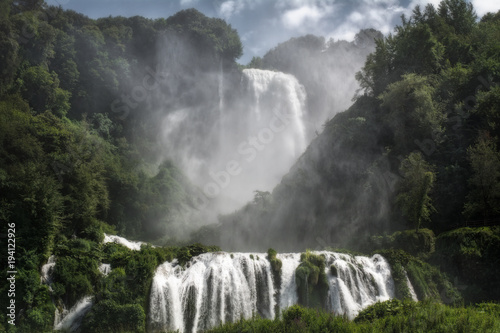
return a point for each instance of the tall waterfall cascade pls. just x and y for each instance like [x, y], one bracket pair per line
[278, 102]
[261, 133]
[215, 288]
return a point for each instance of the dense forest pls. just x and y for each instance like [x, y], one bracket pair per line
[418, 150]
[78, 147]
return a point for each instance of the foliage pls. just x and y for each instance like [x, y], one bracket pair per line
[390, 316]
[414, 198]
[312, 283]
[429, 90]
[107, 316]
[484, 198]
[417, 243]
[380, 310]
[428, 281]
[468, 255]
[72, 167]
[214, 35]
[276, 265]
[73, 164]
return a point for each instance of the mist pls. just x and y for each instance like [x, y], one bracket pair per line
[235, 134]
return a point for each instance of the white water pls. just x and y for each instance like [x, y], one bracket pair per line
[360, 282]
[105, 269]
[135, 246]
[413, 294]
[47, 269]
[242, 144]
[71, 320]
[288, 292]
[219, 287]
[214, 289]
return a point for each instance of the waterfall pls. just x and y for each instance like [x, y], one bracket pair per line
[215, 288]
[71, 320]
[359, 282]
[64, 319]
[278, 94]
[136, 246]
[221, 106]
[47, 269]
[288, 292]
[264, 132]
[413, 294]
[105, 269]
[233, 144]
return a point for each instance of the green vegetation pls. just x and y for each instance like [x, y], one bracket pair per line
[470, 258]
[415, 187]
[78, 159]
[419, 243]
[124, 293]
[312, 283]
[390, 316]
[428, 281]
[276, 265]
[417, 149]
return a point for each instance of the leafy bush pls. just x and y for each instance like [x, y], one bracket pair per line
[417, 243]
[108, 316]
[383, 309]
[389, 316]
[427, 280]
[470, 255]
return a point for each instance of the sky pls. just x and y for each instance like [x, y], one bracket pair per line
[263, 24]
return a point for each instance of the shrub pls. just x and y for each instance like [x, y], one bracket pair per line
[108, 316]
[381, 310]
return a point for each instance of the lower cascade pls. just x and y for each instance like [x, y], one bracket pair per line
[214, 288]
[70, 320]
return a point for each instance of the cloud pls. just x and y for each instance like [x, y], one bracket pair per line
[422, 4]
[230, 8]
[305, 15]
[481, 6]
[379, 15]
[485, 6]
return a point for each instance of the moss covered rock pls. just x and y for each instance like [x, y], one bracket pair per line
[312, 283]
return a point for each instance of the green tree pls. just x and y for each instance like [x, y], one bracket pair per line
[261, 197]
[484, 196]
[459, 14]
[256, 62]
[412, 114]
[8, 56]
[42, 90]
[414, 188]
[214, 36]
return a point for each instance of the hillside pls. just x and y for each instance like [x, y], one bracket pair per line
[419, 146]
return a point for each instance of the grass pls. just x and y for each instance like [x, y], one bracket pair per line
[390, 316]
